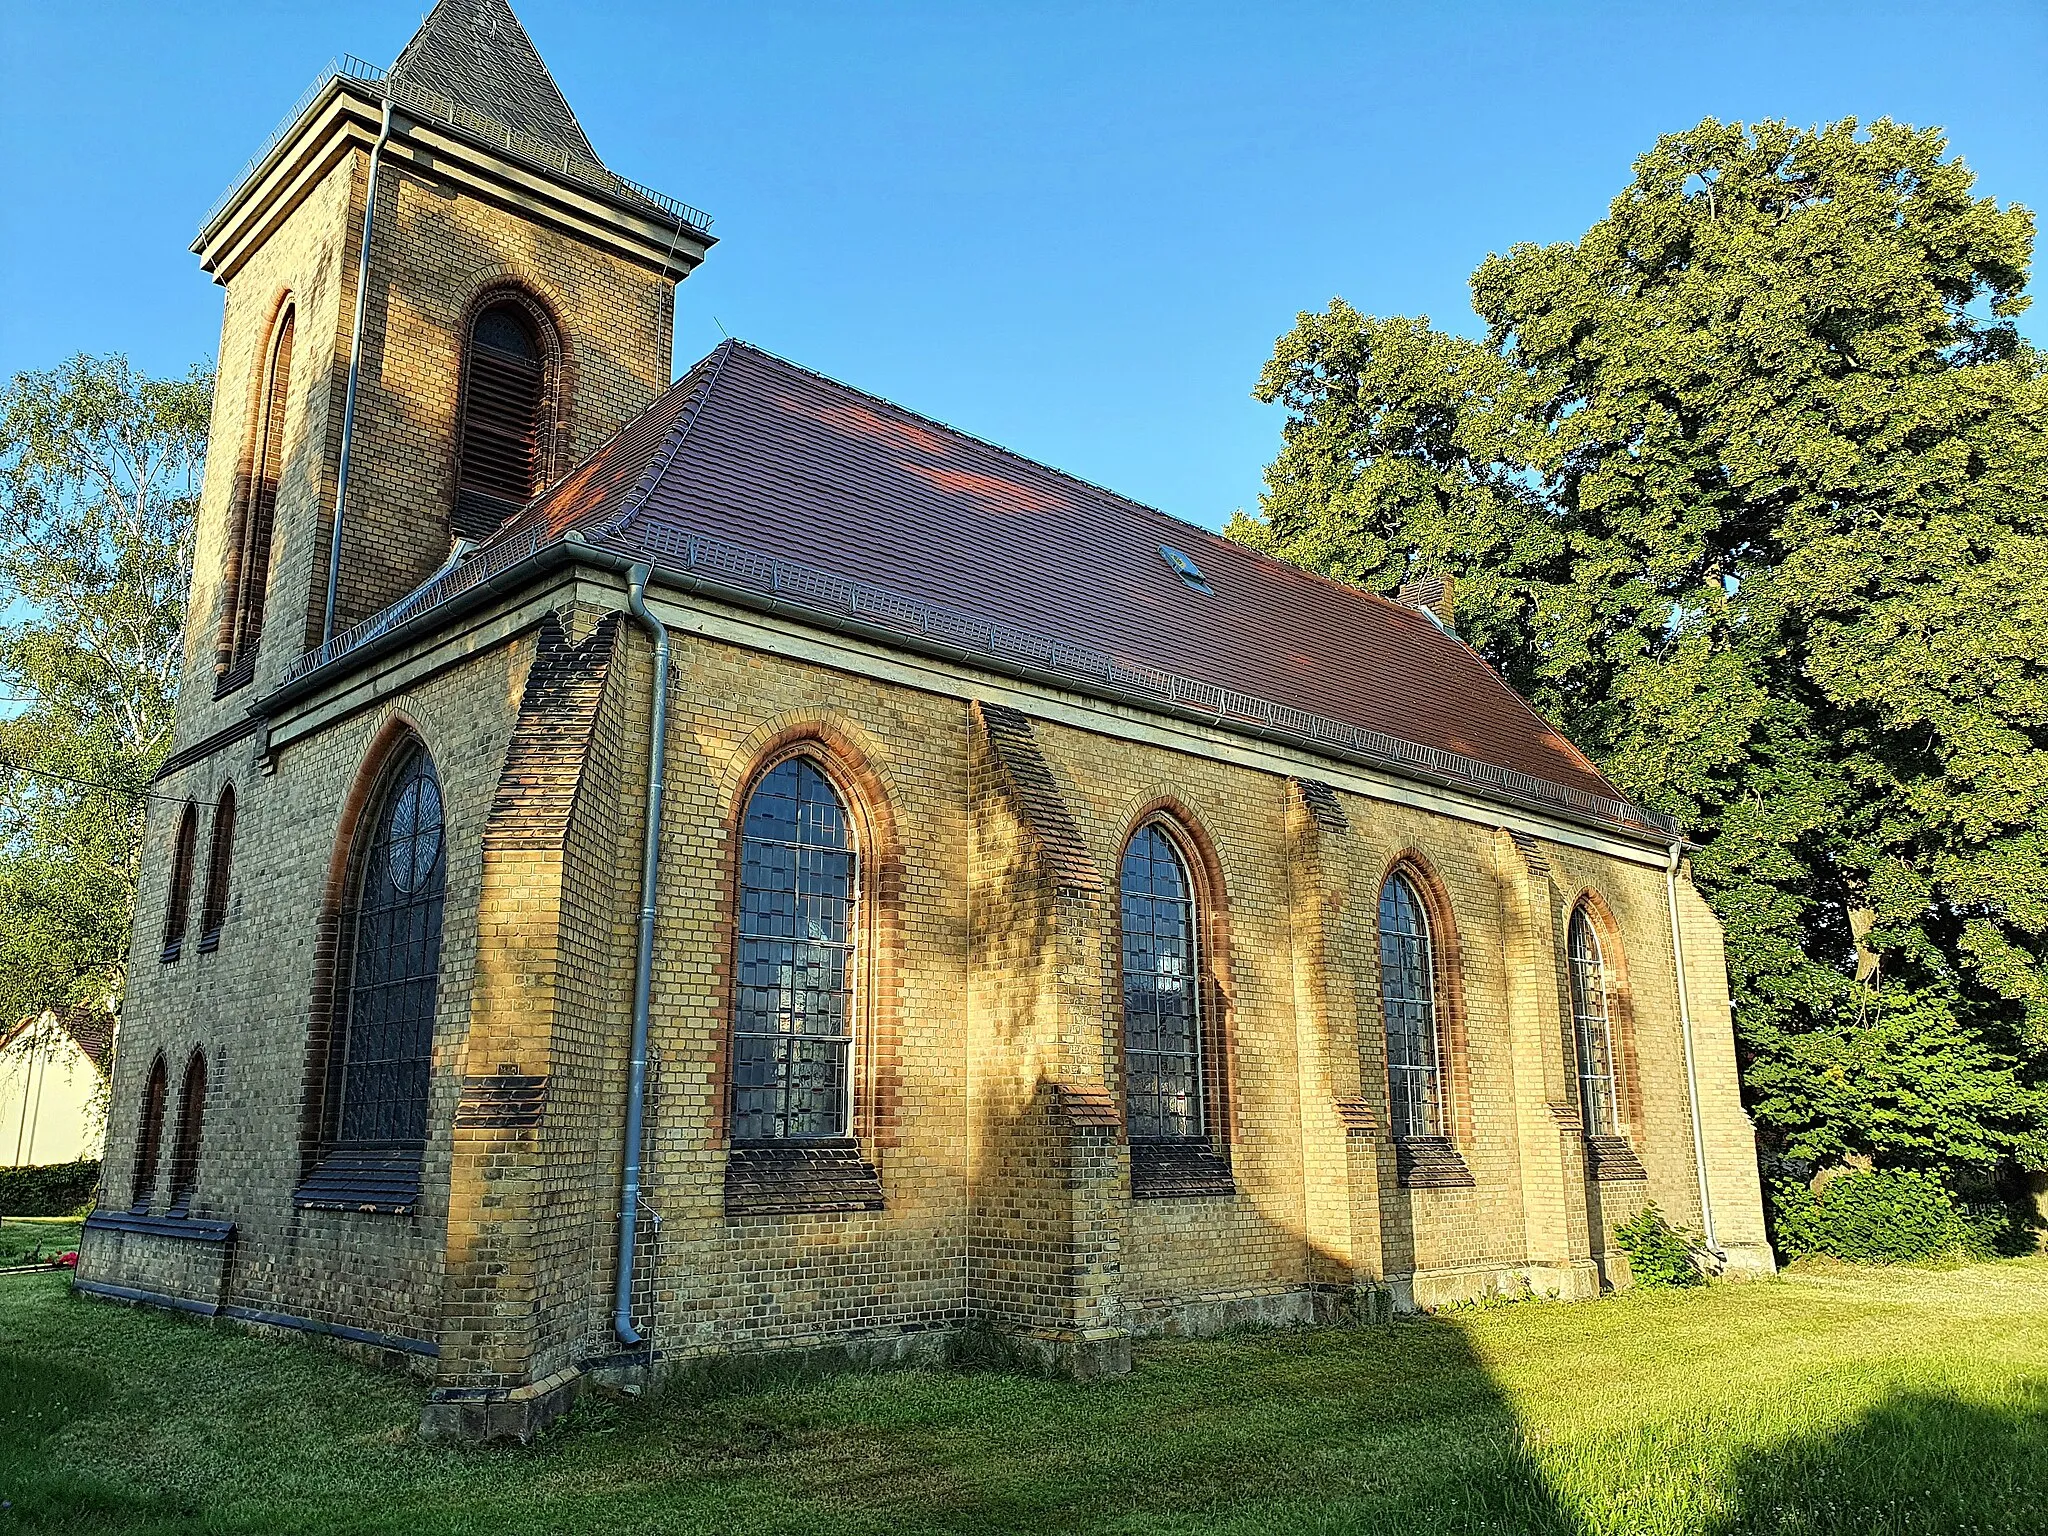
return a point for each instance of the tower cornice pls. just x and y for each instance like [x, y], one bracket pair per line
[437, 140]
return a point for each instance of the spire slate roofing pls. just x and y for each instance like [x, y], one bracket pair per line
[475, 53]
[779, 463]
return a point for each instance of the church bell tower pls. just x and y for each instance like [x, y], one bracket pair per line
[439, 299]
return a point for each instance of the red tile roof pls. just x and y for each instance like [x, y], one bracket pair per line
[756, 452]
[91, 1028]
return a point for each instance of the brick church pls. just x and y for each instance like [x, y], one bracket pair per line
[655, 872]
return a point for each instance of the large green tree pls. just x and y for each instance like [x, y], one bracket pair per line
[1748, 489]
[99, 478]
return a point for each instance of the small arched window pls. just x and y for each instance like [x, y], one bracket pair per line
[183, 852]
[191, 1117]
[220, 855]
[248, 572]
[1408, 997]
[1163, 1078]
[149, 1134]
[505, 388]
[793, 998]
[1593, 1028]
[391, 957]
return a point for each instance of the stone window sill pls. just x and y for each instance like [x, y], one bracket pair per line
[363, 1178]
[1175, 1170]
[1611, 1160]
[1430, 1162]
[240, 675]
[799, 1178]
[172, 1224]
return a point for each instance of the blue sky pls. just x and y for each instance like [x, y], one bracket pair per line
[1075, 229]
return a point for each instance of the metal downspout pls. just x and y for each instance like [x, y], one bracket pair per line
[355, 353]
[1692, 1080]
[643, 966]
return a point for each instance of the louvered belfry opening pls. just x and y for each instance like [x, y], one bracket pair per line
[504, 398]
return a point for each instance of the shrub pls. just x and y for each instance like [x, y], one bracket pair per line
[1658, 1253]
[1891, 1216]
[53, 1189]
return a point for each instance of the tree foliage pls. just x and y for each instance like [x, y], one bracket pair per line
[99, 478]
[1748, 489]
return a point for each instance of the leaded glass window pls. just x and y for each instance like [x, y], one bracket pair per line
[1162, 992]
[394, 960]
[1408, 997]
[1593, 1027]
[793, 994]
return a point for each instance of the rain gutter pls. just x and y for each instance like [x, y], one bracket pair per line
[643, 963]
[355, 354]
[1692, 1077]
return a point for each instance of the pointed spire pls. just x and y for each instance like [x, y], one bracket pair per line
[475, 53]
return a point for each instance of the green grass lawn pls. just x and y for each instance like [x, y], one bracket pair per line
[1829, 1401]
[29, 1239]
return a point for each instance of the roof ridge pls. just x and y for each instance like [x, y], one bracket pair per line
[671, 444]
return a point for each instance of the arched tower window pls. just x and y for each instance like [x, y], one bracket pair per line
[1593, 1028]
[149, 1134]
[183, 852]
[391, 959]
[248, 572]
[220, 854]
[191, 1116]
[1415, 1086]
[1163, 1077]
[503, 435]
[793, 998]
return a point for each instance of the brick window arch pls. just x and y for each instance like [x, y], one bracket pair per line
[797, 963]
[220, 854]
[191, 1119]
[510, 367]
[247, 576]
[149, 1135]
[177, 910]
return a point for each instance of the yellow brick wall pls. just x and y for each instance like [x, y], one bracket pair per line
[989, 1023]
[248, 1005]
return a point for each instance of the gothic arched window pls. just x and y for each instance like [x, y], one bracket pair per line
[1408, 997]
[191, 1116]
[248, 571]
[793, 998]
[504, 415]
[1163, 1078]
[183, 852]
[149, 1134]
[220, 854]
[391, 960]
[1593, 1028]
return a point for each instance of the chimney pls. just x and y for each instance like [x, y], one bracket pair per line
[1432, 594]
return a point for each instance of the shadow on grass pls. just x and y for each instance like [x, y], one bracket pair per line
[1917, 1463]
[121, 1421]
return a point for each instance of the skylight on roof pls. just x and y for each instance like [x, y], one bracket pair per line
[1185, 568]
